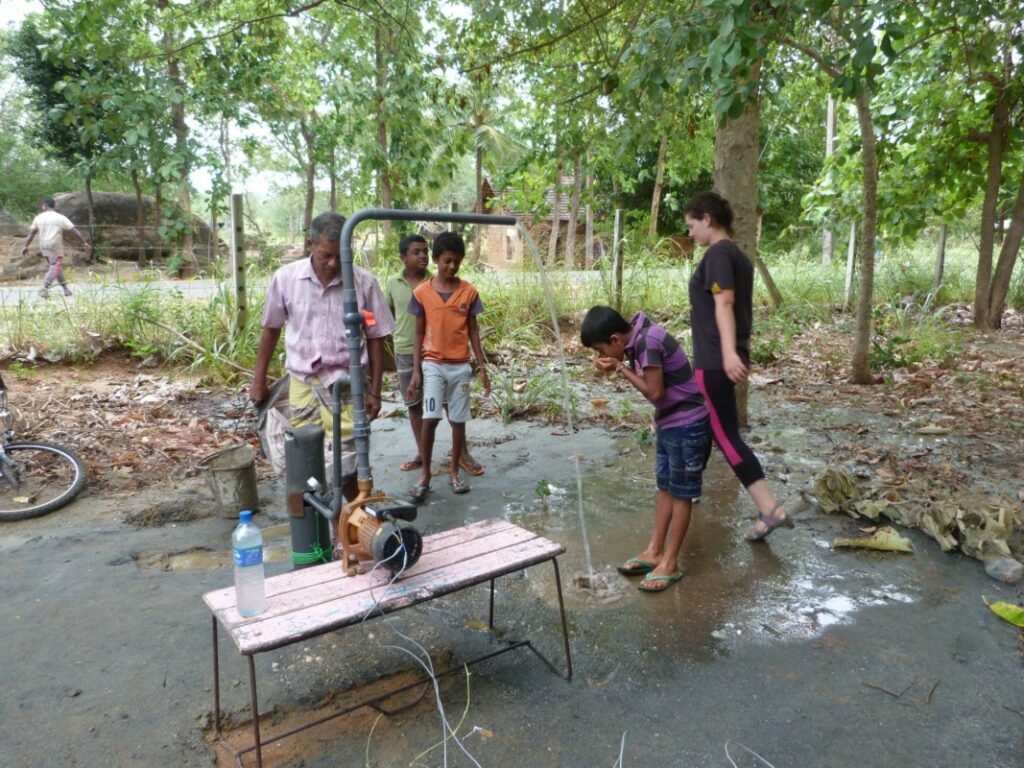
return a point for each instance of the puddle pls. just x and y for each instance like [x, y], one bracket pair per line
[276, 547]
[733, 592]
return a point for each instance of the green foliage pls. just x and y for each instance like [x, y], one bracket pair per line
[643, 437]
[26, 174]
[519, 393]
[907, 335]
[142, 321]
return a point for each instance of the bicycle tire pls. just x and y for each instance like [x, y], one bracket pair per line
[37, 472]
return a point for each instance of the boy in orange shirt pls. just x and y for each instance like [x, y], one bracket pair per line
[446, 308]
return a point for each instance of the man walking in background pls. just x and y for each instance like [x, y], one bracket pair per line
[51, 226]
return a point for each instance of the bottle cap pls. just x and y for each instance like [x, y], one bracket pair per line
[245, 516]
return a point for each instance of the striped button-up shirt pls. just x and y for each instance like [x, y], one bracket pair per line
[312, 316]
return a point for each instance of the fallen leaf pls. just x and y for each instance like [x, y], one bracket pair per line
[933, 429]
[883, 540]
[598, 402]
[1009, 612]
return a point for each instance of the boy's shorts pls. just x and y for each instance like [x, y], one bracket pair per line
[404, 365]
[311, 403]
[682, 454]
[443, 381]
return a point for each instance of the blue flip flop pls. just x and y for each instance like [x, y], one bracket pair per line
[664, 582]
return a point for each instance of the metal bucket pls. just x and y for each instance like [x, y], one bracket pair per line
[231, 475]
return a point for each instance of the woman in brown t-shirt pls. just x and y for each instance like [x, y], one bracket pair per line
[721, 301]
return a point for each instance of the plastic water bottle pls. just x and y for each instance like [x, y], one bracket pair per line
[247, 548]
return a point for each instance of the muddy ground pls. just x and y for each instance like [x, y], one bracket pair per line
[805, 654]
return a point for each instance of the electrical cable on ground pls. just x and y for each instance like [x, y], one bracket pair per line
[426, 663]
[748, 749]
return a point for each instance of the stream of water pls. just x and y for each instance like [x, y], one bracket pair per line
[589, 578]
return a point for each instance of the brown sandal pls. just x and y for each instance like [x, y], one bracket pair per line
[770, 523]
[473, 468]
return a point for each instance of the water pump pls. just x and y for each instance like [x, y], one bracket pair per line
[379, 527]
[373, 527]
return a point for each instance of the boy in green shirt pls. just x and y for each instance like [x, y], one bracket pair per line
[413, 252]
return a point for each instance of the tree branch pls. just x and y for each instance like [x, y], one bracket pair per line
[287, 13]
[826, 66]
[591, 20]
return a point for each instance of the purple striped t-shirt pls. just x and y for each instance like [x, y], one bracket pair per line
[651, 346]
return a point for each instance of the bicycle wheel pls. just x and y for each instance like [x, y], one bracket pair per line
[46, 477]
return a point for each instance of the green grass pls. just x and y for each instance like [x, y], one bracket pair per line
[139, 319]
[135, 317]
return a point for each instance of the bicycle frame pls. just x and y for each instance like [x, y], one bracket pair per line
[6, 420]
[8, 469]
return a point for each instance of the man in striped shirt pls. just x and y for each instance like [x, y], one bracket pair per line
[305, 299]
[654, 363]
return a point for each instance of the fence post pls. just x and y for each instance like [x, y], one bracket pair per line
[238, 262]
[851, 260]
[617, 262]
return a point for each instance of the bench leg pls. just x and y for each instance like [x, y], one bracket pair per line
[216, 682]
[565, 626]
[490, 615]
[255, 713]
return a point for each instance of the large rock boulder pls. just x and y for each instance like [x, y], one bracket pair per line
[11, 227]
[117, 233]
[14, 266]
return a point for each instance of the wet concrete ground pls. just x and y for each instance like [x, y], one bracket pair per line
[807, 655]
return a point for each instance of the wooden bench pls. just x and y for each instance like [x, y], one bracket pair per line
[310, 602]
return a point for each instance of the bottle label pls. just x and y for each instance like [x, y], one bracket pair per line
[247, 557]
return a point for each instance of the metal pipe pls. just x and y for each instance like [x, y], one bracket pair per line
[310, 498]
[344, 380]
[255, 712]
[216, 682]
[304, 461]
[354, 323]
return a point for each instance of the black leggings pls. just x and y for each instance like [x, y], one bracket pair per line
[720, 397]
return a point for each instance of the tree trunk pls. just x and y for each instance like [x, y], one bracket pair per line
[617, 258]
[1007, 259]
[309, 137]
[180, 128]
[574, 214]
[383, 177]
[140, 216]
[996, 144]
[869, 203]
[332, 169]
[479, 206]
[659, 180]
[555, 216]
[851, 261]
[588, 226]
[940, 260]
[828, 245]
[736, 157]
[158, 219]
[92, 216]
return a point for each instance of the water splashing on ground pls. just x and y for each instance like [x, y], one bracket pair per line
[588, 579]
